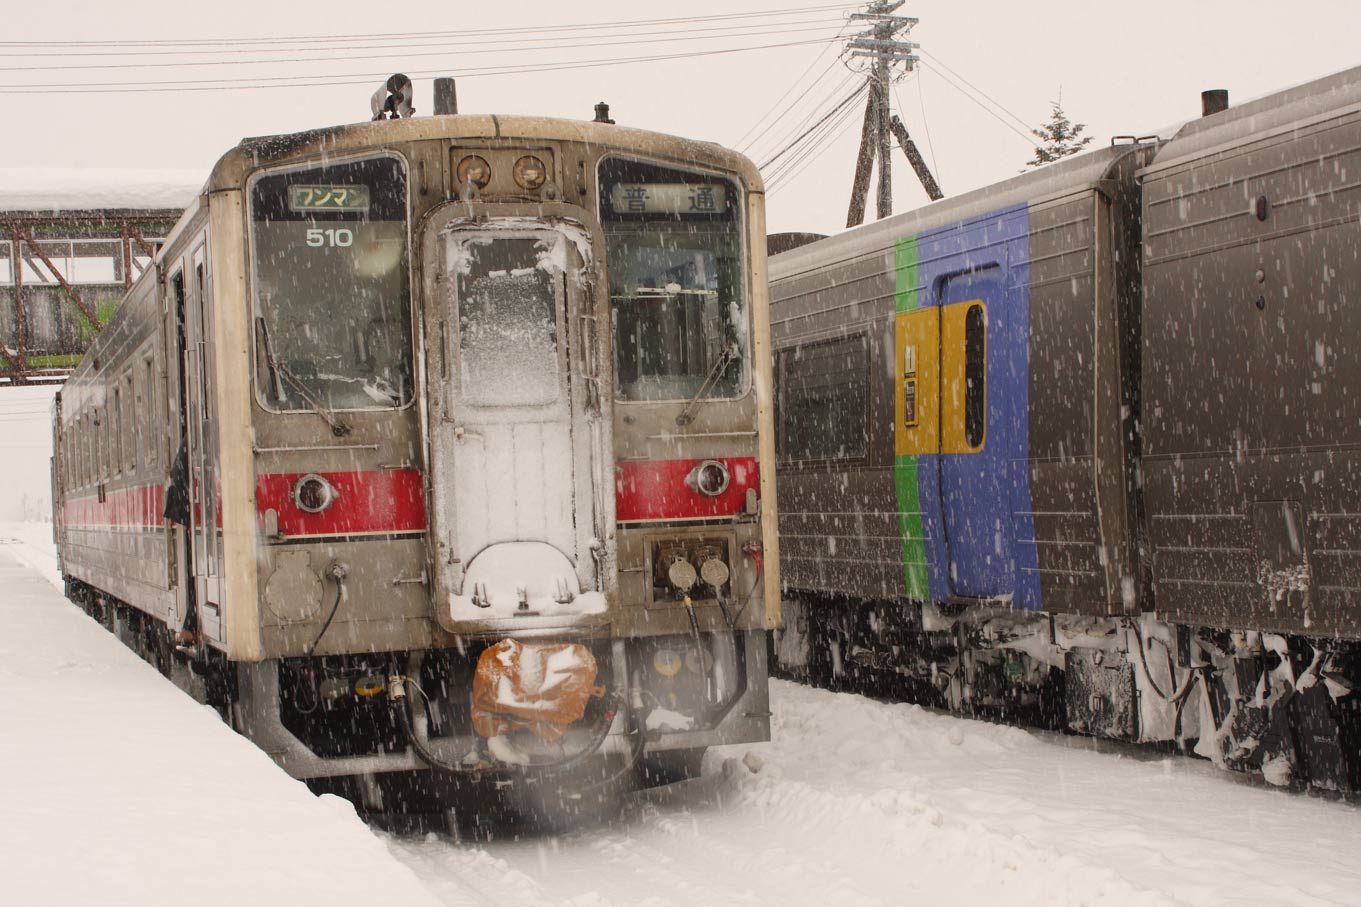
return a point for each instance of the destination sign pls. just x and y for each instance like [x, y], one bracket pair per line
[328, 198]
[669, 198]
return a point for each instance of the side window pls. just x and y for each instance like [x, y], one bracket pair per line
[203, 332]
[129, 424]
[116, 432]
[86, 449]
[824, 399]
[975, 376]
[150, 422]
[106, 427]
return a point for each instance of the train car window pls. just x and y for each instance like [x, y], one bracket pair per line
[332, 286]
[129, 425]
[677, 290]
[110, 439]
[98, 442]
[201, 359]
[149, 438]
[824, 402]
[507, 322]
[116, 433]
[975, 375]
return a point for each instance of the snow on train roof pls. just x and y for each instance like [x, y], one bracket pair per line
[50, 189]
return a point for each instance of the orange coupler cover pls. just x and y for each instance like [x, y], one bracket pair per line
[539, 687]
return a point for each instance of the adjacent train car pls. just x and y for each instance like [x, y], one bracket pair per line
[1080, 443]
[443, 443]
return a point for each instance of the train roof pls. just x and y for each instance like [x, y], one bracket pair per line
[53, 191]
[1074, 174]
[1280, 112]
[254, 152]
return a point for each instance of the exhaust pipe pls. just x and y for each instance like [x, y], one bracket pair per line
[446, 97]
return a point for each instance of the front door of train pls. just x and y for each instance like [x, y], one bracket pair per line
[519, 461]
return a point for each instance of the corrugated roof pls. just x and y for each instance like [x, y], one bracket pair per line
[62, 190]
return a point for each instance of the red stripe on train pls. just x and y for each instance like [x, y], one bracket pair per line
[387, 500]
[656, 490]
[134, 507]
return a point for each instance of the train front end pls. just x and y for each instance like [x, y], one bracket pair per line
[509, 473]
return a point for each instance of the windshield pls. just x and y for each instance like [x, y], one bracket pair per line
[333, 311]
[677, 294]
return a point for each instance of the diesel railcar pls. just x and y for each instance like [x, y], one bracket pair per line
[1085, 443]
[443, 443]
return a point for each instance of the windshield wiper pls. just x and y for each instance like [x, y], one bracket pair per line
[729, 355]
[277, 370]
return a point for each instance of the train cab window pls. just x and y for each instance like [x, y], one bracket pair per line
[824, 400]
[677, 292]
[975, 375]
[332, 286]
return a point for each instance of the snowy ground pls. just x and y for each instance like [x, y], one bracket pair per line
[118, 789]
[864, 803]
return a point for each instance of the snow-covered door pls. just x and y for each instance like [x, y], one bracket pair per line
[513, 477]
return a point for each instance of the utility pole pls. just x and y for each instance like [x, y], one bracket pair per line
[880, 45]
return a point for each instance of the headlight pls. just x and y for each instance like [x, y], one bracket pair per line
[709, 478]
[530, 172]
[667, 662]
[474, 169]
[313, 494]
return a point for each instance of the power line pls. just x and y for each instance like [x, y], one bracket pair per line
[591, 26]
[813, 150]
[792, 85]
[1030, 139]
[366, 78]
[921, 103]
[532, 44]
[850, 98]
[941, 63]
[771, 139]
[814, 138]
[934, 168]
[810, 150]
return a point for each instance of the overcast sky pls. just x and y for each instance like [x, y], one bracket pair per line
[1120, 68]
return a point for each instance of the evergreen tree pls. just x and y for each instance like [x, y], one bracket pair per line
[1061, 137]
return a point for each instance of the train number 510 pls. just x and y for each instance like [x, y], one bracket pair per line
[340, 238]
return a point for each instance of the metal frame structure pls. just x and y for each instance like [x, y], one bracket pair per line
[22, 235]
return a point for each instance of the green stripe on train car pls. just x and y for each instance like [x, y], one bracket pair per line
[910, 525]
[905, 466]
[905, 275]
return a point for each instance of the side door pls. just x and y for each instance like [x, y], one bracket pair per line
[203, 437]
[189, 355]
[974, 396]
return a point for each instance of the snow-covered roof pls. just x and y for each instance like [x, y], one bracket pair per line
[52, 189]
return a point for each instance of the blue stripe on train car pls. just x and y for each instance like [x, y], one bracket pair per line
[978, 525]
